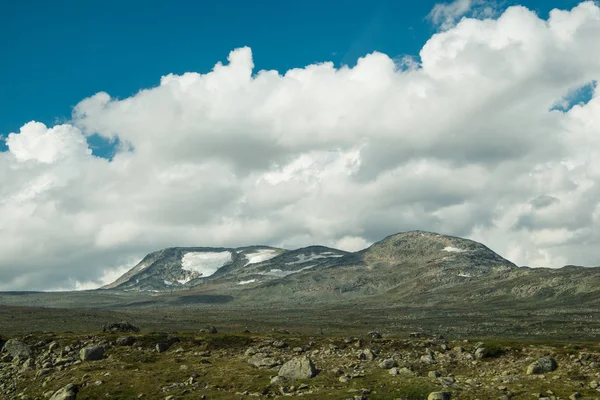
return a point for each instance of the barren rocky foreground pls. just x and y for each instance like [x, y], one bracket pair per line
[123, 363]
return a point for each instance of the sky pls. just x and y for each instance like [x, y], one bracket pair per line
[127, 127]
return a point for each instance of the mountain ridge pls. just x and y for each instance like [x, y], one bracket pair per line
[174, 268]
[414, 267]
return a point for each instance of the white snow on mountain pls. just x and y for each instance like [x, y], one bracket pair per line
[454, 249]
[184, 281]
[303, 258]
[205, 263]
[260, 256]
[246, 282]
[281, 274]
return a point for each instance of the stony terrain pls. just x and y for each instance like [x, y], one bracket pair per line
[122, 363]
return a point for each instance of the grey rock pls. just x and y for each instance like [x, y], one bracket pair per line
[366, 355]
[261, 360]
[161, 347]
[209, 329]
[541, 366]
[480, 353]
[298, 368]
[427, 359]
[17, 348]
[439, 396]
[125, 341]
[120, 327]
[69, 392]
[388, 363]
[91, 353]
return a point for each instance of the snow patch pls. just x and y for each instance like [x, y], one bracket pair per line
[303, 258]
[465, 275]
[168, 283]
[246, 282]
[281, 274]
[205, 263]
[260, 256]
[184, 281]
[454, 249]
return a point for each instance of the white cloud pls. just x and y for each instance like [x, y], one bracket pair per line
[351, 243]
[465, 143]
[38, 143]
[445, 15]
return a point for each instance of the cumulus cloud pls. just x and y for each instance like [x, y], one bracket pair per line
[466, 142]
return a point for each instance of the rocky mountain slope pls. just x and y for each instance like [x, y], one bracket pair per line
[181, 267]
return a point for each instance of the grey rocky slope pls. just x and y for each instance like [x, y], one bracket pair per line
[180, 267]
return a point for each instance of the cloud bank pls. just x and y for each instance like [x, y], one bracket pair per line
[472, 140]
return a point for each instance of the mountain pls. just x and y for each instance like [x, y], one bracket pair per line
[414, 267]
[394, 257]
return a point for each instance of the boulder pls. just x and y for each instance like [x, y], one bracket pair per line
[366, 355]
[69, 392]
[427, 359]
[120, 327]
[541, 366]
[481, 353]
[439, 396]
[374, 335]
[162, 347]
[209, 329]
[17, 348]
[125, 341]
[388, 363]
[261, 360]
[298, 368]
[91, 353]
[405, 371]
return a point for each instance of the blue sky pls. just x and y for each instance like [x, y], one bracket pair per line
[57, 53]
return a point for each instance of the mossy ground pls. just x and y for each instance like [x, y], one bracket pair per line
[219, 369]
